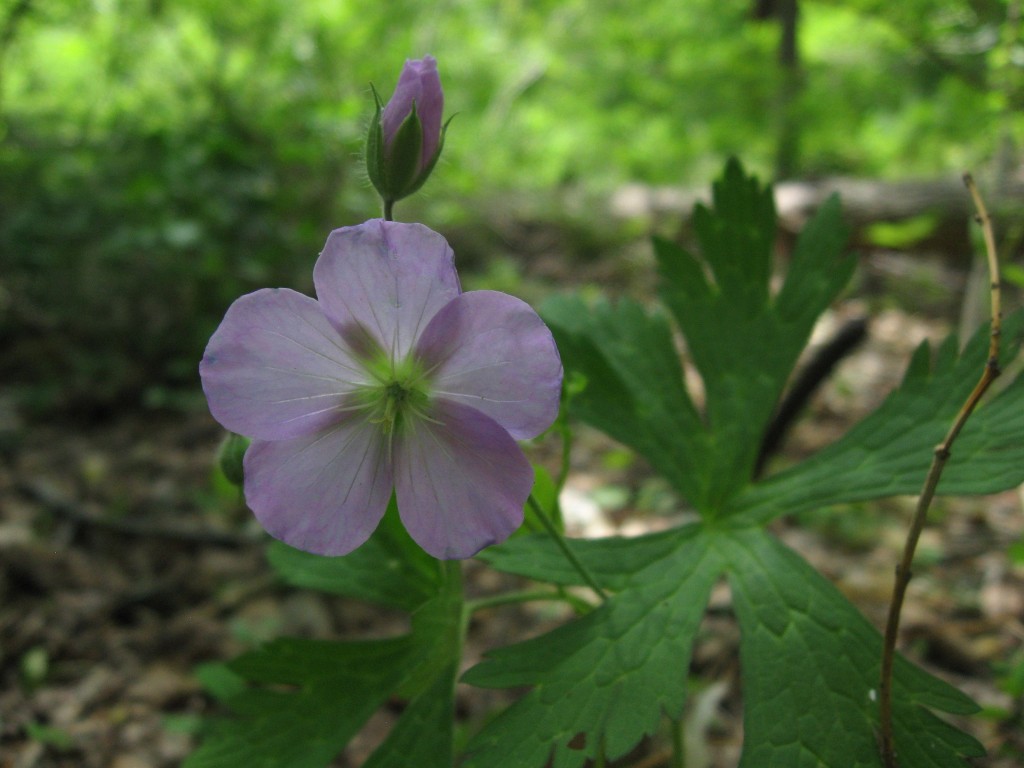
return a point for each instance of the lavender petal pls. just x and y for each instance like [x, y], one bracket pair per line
[276, 369]
[491, 351]
[461, 481]
[323, 493]
[385, 280]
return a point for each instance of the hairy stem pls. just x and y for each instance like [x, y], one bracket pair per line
[941, 456]
[563, 545]
[526, 596]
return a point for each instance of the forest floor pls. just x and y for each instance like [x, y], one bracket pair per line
[123, 567]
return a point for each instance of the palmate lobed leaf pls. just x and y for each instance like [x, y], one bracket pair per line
[744, 343]
[810, 660]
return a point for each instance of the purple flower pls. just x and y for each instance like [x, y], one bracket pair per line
[419, 87]
[392, 379]
[406, 136]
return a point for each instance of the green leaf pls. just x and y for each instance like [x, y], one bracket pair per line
[613, 561]
[423, 734]
[390, 569]
[438, 626]
[604, 679]
[634, 384]
[889, 452]
[744, 342]
[218, 679]
[57, 738]
[297, 703]
[810, 665]
[810, 662]
[313, 697]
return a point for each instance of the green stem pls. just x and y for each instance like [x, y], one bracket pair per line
[451, 575]
[563, 545]
[565, 434]
[678, 743]
[389, 207]
[527, 596]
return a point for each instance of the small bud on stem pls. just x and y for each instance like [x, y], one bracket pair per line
[406, 136]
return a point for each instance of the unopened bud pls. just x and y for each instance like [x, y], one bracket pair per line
[407, 136]
[230, 455]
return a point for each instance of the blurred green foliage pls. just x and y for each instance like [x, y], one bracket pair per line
[160, 157]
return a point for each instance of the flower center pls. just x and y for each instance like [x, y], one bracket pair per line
[400, 392]
[399, 398]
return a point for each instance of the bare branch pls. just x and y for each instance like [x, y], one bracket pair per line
[942, 454]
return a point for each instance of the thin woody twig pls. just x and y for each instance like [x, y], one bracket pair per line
[941, 456]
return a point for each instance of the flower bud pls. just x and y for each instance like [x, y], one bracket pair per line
[406, 136]
[229, 457]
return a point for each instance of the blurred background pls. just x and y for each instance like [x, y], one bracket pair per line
[158, 158]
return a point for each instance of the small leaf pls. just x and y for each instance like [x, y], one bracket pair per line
[220, 681]
[57, 738]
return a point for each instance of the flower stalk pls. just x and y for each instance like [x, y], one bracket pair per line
[563, 545]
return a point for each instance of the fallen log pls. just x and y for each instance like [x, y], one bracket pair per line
[865, 201]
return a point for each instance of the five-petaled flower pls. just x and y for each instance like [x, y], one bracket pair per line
[392, 379]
